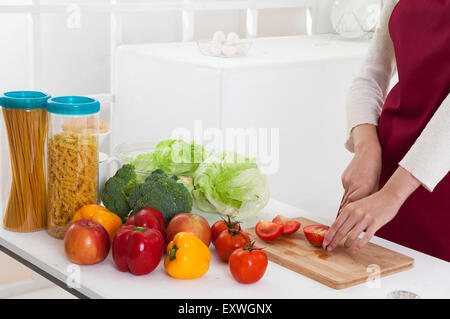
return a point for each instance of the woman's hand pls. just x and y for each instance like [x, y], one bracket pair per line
[371, 213]
[360, 179]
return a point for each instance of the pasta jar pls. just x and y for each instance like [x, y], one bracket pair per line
[25, 124]
[72, 159]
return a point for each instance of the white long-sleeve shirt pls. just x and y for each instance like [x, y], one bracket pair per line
[428, 159]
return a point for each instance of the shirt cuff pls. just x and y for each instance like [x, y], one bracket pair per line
[365, 119]
[425, 169]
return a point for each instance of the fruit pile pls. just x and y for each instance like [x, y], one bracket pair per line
[139, 245]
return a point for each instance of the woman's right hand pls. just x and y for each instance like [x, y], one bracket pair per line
[360, 178]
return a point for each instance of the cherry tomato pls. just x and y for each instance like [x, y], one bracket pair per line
[267, 230]
[228, 241]
[315, 234]
[289, 225]
[248, 264]
[222, 225]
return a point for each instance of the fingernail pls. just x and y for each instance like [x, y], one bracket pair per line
[329, 248]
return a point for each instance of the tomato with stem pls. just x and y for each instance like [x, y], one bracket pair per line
[228, 241]
[248, 264]
[222, 225]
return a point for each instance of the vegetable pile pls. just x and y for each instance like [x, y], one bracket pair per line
[224, 182]
[123, 195]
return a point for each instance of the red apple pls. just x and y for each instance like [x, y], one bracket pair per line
[189, 223]
[86, 242]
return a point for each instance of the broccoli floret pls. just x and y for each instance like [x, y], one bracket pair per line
[127, 175]
[117, 190]
[162, 192]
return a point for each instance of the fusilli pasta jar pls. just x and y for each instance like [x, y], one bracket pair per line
[72, 159]
[25, 124]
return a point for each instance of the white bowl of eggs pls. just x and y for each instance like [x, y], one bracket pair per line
[224, 46]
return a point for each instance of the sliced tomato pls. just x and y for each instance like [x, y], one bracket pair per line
[267, 230]
[315, 234]
[289, 225]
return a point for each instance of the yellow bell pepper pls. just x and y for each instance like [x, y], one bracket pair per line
[99, 214]
[187, 257]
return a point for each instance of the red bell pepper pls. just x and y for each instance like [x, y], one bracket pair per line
[149, 217]
[137, 249]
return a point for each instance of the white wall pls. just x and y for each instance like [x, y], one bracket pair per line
[76, 61]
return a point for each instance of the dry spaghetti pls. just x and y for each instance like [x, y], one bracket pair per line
[72, 177]
[27, 131]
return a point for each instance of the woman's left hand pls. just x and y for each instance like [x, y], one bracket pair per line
[370, 213]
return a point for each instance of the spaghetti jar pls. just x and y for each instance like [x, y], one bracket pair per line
[72, 159]
[25, 123]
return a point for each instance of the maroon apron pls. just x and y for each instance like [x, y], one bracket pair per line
[420, 31]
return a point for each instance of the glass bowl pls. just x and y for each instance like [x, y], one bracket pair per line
[240, 49]
[126, 152]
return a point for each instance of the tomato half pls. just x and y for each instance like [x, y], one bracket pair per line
[289, 225]
[267, 230]
[222, 225]
[315, 234]
[228, 241]
[248, 264]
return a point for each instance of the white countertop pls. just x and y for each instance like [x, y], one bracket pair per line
[430, 277]
[269, 52]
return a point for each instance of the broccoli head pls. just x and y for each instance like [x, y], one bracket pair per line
[162, 192]
[117, 190]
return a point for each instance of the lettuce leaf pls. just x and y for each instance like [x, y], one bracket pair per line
[174, 156]
[230, 184]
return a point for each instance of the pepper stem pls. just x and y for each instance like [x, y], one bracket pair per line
[173, 252]
[141, 229]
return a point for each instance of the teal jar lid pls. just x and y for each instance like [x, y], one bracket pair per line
[24, 100]
[73, 105]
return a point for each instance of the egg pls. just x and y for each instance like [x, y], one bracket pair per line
[219, 37]
[229, 50]
[232, 38]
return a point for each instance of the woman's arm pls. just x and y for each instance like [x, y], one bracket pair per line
[361, 177]
[429, 157]
[426, 163]
[364, 102]
[369, 89]
[371, 213]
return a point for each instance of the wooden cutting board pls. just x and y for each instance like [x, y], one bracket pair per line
[338, 269]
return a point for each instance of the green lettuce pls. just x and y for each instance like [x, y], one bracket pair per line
[174, 156]
[230, 184]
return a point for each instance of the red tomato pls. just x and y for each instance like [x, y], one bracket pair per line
[228, 241]
[222, 225]
[248, 264]
[267, 230]
[289, 225]
[315, 234]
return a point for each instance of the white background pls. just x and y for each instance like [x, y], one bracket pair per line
[76, 61]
